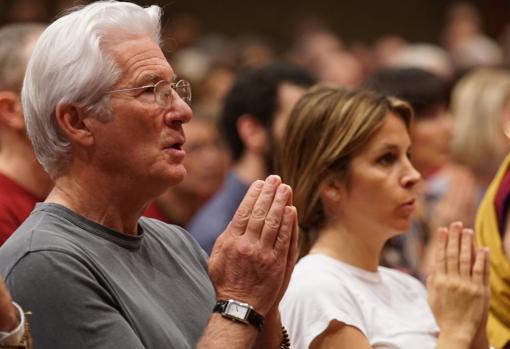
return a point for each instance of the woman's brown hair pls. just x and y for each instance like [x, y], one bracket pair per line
[326, 127]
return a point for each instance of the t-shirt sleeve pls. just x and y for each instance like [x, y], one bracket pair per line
[70, 308]
[311, 304]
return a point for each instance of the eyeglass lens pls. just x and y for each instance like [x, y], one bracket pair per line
[163, 92]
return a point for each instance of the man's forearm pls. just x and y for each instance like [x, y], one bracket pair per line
[224, 333]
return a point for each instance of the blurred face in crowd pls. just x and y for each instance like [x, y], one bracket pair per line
[505, 125]
[431, 139]
[143, 138]
[288, 95]
[380, 193]
[206, 159]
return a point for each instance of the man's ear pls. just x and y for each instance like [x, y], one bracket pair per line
[10, 111]
[253, 135]
[72, 123]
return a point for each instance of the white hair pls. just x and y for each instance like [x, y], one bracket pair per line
[69, 65]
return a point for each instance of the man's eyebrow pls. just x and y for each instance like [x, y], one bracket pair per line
[153, 78]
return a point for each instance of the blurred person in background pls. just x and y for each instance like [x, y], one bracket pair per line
[181, 31]
[206, 164]
[385, 49]
[252, 122]
[255, 52]
[493, 231]
[431, 133]
[465, 40]
[481, 109]
[480, 106]
[23, 181]
[429, 57]
[322, 52]
[211, 91]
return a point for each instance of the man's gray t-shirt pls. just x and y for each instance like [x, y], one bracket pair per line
[88, 286]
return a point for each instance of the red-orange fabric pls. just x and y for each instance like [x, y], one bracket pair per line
[15, 205]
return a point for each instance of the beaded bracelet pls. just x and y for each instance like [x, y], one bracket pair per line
[285, 343]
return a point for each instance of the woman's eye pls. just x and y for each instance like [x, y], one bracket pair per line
[386, 159]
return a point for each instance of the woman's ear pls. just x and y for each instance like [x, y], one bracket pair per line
[72, 123]
[332, 191]
[331, 196]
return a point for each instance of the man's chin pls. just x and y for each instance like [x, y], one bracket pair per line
[177, 175]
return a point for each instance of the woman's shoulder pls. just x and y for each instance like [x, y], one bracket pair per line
[399, 279]
[320, 275]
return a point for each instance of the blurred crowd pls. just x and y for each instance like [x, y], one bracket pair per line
[459, 89]
[243, 91]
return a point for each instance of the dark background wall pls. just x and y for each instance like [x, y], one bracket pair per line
[416, 20]
[353, 19]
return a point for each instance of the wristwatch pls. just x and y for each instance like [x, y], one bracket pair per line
[238, 311]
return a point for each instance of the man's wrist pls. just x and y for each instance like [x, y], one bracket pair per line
[274, 335]
[240, 312]
[10, 318]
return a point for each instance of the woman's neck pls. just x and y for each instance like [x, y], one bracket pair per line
[361, 249]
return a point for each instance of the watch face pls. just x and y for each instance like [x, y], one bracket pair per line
[236, 310]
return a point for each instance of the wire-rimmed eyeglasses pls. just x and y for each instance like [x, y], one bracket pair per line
[162, 91]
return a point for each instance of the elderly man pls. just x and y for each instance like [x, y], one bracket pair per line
[104, 111]
[23, 181]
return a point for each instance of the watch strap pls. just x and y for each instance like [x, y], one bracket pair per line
[252, 317]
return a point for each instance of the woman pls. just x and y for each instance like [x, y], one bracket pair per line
[347, 158]
[432, 132]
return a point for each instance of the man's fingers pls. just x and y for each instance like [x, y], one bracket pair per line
[273, 220]
[440, 262]
[291, 198]
[465, 259]
[452, 248]
[294, 246]
[241, 217]
[258, 215]
[283, 238]
[292, 254]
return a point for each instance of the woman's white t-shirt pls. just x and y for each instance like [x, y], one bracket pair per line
[389, 307]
